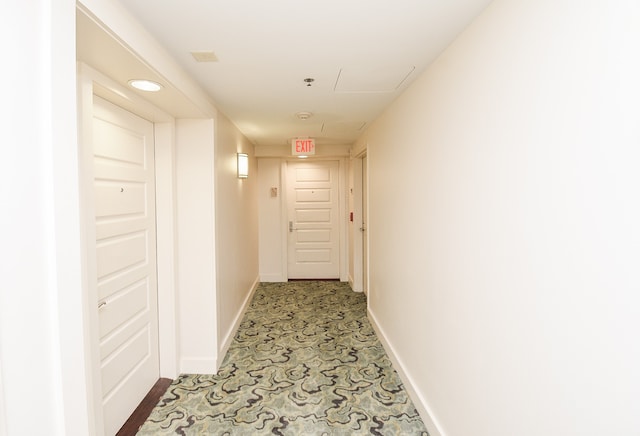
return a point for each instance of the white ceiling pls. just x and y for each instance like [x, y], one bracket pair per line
[361, 53]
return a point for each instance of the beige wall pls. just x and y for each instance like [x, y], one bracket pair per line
[217, 238]
[236, 228]
[197, 300]
[272, 247]
[504, 217]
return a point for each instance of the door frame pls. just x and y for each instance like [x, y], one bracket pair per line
[343, 243]
[92, 82]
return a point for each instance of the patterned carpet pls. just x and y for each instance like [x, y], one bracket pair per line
[305, 361]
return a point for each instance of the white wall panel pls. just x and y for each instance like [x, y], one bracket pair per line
[41, 318]
[196, 245]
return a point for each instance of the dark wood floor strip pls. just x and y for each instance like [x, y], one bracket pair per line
[142, 412]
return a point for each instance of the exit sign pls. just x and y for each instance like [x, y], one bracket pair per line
[303, 147]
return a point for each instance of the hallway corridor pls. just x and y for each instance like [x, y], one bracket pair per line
[305, 361]
[494, 222]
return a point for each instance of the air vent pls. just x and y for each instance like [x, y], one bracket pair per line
[204, 56]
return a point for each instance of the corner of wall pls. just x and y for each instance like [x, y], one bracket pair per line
[195, 218]
[199, 365]
[226, 342]
[414, 393]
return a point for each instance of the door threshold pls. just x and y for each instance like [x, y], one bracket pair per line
[142, 412]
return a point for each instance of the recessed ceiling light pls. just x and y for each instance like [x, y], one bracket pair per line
[145, 85]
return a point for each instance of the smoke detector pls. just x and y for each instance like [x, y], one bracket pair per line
[303, 115]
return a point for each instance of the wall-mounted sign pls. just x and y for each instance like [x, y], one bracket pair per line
[303, 147]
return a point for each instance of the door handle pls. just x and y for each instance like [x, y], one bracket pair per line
[291, 229]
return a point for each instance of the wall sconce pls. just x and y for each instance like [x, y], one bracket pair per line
[243, 165]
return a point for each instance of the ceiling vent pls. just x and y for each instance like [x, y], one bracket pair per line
[204, 56]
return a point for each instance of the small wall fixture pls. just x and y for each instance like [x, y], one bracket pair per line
[243, 165]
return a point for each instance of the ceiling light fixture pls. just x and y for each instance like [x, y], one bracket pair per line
[145, 85]
[309, 81]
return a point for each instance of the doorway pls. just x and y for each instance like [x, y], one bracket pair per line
[124, 253]
[360, 249]
[363, 228]
[313, 230]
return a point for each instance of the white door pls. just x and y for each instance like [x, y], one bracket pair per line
[125, 260]
[313, 227]
[363, 229]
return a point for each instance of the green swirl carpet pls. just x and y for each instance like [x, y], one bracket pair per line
[305, 361]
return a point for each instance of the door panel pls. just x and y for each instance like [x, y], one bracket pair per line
[116, 368]
[318, 255]
[114, 340]
[124, 194]
[124, 307]
[312, 195]
[318, 235]
[313, 215]
[117, 254]
[114, 199]
[121, 145]
[111, 286]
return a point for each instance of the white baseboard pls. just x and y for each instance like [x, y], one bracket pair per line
[272, 278]
[352, 283]
[226, 343]
[418, 399]
[198, 365]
